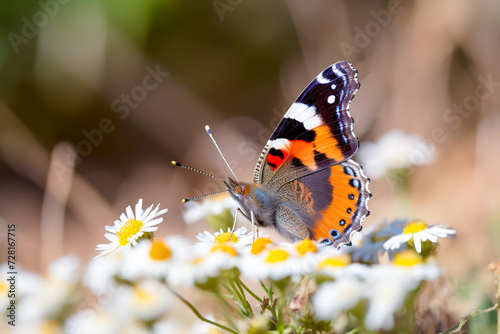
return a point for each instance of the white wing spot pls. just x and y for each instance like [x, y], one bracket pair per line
[331, 99]
[334, 86]
[305, 114]
[321, 79]
[279, 143]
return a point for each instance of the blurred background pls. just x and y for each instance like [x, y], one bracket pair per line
[97, 97]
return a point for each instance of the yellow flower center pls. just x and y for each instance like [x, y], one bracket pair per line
[305, 246]
[277, 255]
[159, 251]
[225, 237]
[415, 227]
[224, 248]
[49, 326]
[3, 288]
[337, 261]
[143, 296]
[259, 245]
[130, 228]
[407, 258]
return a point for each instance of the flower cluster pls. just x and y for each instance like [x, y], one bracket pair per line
[261, 285]
[393, 152]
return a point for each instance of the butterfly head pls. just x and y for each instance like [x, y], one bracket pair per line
[237, 190]
[243, 193]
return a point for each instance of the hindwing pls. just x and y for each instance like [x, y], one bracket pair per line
[330, 204]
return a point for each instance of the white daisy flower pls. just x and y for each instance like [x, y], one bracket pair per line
[155, 258]
[204, 262]
[125, 232]
[275, 263]
[386, 289]
[337, 265]
[103, 322]
[89, 321]
[419, 232]
[240, 237]
[58, 290]
[214, 205]
[34, 326]
[386, 296]
[168, 326]
[332, 298]
[394, 150]
[146, 300]
[100, 274]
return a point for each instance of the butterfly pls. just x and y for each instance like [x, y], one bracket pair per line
[305, 184]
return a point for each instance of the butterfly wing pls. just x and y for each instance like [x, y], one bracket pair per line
[315, 133]
[329, 204]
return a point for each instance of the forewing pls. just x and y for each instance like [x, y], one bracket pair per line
[316, 132]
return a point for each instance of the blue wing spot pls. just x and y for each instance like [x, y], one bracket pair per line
[335, 234]
[355, 183]
[326, 242]
[341, 223]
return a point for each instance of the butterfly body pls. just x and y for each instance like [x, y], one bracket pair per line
[305, 184]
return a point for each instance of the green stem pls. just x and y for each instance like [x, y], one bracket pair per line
[247, 304]
[280, 326]
[240, 289]
[202, 318]
[228, 309]
[236, 292]
[225, 303]
[249, 291]
[243, 298]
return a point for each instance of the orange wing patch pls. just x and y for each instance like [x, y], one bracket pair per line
[348, 206]
[323, 148]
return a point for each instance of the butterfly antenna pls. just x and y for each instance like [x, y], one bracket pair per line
[175, 163]
[199, 196]
[207, 128]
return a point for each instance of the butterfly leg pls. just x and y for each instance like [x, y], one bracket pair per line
[234, 223]
[255, 229]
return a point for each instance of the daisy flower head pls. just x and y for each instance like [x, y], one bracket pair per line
[332, 298]
[100, 274]
[336, 264]
[239, 237]
[260, 244]
[56, 292]
[214, 206]
[330, 259]
[394, 150]
[146, 300]
[275, 262]
[205, 262]
[155, 259]
[419, 235]
[388, 286]
[130, 227]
